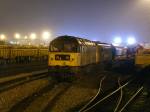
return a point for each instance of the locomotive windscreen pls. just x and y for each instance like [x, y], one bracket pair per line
[63, 45]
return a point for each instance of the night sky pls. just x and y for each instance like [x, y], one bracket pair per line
[93, 19]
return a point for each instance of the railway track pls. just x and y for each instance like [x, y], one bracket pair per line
[8, 70]
[55, 88]
[98, 93]
[13, 81]
[105, 102]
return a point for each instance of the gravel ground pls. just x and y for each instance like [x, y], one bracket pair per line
[85, 89]
[7, 70]
[80, 92]
[46, 99]
[72, 98]
[11, 97]
[8, 78]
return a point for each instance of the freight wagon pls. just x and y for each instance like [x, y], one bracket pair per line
[22, 54]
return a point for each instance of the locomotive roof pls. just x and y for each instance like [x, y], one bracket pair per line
[80, 41]
[77, 40]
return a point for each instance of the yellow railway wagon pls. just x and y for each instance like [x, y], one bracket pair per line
[16, 53]
[142, 58]
[43, 52]
[20, 52]
[5, 51]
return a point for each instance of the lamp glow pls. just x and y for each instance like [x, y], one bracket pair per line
[33, 36]
[17, 36]
[46, 35]
[117, 41]
[26, 37]
[131, 41]
[2, 37]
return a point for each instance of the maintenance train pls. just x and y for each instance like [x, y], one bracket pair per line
[22, 54]
[68, 53]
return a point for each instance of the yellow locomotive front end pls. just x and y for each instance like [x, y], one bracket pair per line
[64, 57]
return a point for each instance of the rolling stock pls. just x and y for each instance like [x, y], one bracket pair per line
[68, 53]
[142, 58]
[22, 54]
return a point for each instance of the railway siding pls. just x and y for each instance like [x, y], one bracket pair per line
[10, 78]
[12, 96]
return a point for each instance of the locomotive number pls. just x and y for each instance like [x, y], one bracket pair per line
[62, 57]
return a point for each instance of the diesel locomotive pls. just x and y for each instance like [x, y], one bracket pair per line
[68, 53]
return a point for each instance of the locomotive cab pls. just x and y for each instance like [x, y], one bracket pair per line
[64, 45]
[63, 52]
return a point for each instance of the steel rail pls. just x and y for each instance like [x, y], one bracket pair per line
[138, 91]
[11, 78]
[13, 83]
[99, 90]
[107, 96]
[120, 99]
